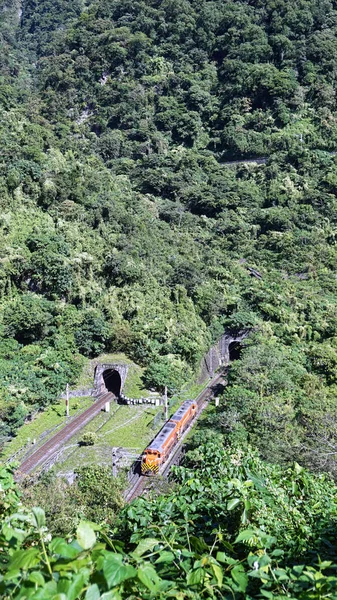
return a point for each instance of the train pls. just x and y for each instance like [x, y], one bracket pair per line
[162, 445]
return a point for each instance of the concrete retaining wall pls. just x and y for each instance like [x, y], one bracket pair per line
[79, 393]
[218, 354]
[99, 381]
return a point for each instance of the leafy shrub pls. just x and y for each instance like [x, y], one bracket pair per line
[89, 438]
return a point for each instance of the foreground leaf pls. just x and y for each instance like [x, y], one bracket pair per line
[144, 546]
[115, 571]
[148, 576]
[39, 517]
[85, 535]
[25, 559]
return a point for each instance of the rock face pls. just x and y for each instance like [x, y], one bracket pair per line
[110, 377]
[222, 352]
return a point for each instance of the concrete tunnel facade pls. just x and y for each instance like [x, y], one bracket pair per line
[110, 378]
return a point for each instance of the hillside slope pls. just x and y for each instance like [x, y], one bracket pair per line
[122, 229]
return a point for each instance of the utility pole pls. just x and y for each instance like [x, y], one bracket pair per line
[115, 458]
[67, 400]
[165, 401]
[114, 463]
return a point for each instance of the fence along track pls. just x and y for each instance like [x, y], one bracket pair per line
[52, 446]
[137, 481]
[27, 450]
[50, 450]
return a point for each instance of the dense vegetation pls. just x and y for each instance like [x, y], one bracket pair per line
[123, 229]
[233, 527]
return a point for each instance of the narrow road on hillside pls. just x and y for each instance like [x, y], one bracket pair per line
[46, 451]
[242, 161]
[259, 160]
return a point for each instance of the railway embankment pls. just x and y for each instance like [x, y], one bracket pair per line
[52, 446]
[47, 454]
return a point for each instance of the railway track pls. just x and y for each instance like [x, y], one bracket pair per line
[45, 452]
[141, 482]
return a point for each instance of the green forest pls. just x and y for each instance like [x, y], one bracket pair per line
[130, 222]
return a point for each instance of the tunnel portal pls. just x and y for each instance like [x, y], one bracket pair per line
[234, 351]
[110, 377]
[112, 381]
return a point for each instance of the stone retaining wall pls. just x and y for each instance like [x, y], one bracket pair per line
[79, 393]
[219, 353]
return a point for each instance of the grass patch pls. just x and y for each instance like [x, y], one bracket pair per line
[44, 425]
[131, 428]
[84, 456]
[134, 387]
[127, 426]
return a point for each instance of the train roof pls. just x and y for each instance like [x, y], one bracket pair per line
[178, 415]
[162, 436]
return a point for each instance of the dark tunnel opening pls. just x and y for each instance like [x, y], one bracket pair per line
[234, 351]
[112, 380]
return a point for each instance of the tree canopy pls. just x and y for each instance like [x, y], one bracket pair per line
[123, 228]
[132, 220]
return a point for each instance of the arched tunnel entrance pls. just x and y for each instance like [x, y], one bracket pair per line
[234, 349]
[112, 381]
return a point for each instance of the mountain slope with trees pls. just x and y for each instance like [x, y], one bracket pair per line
[123, 229]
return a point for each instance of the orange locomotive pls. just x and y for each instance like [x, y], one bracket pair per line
[160, 448]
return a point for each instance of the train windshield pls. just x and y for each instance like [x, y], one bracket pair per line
[152, 454]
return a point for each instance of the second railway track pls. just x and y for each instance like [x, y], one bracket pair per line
[52, 446]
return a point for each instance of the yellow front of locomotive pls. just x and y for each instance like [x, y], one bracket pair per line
[151, 461]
